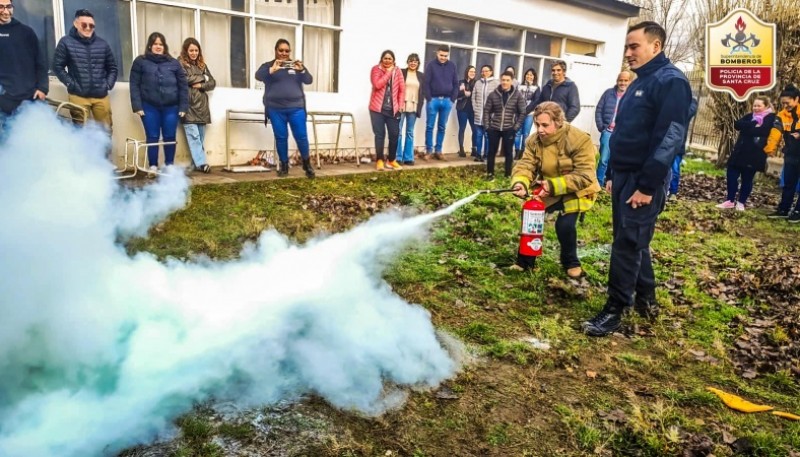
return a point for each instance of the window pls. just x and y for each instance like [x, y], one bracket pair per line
[451, 29]
[581, 47]
[225, 40]
[499, 37]
[225, 36]
[174, 23]
[113, 21]
[542, 44]
[38, 15]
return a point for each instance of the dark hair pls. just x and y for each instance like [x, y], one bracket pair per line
[559, 63]
[535, 76]
[388, 51]
[507, 73]
[413, 56]
[466, 72]
[790, 91]
[282, 41]
[487, 66]
[186, 60]
[152, 39]
[82, 12]
[443, 48]
[652, 30]
[511, 68]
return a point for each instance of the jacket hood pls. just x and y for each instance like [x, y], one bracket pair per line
[550, 139]
[567, 82]
[73, 32]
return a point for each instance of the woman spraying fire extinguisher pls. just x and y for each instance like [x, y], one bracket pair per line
[559, 164]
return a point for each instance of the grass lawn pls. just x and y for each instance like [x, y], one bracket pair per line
[729, 320]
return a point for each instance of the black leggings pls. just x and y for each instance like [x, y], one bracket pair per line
[507, 136]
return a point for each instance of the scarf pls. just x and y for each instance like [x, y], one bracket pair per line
[759, 117]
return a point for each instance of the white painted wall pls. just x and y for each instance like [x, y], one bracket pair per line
[369, 27]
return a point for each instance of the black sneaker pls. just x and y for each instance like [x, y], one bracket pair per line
[646, 306]
[779, 214]
[489, 177]
[794, 217]
[604, 323]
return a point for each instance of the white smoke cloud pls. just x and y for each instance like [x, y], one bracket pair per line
[100, 350]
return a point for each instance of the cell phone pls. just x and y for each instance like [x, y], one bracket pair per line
[288, 64]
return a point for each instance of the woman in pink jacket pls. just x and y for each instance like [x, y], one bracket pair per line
[388, 95]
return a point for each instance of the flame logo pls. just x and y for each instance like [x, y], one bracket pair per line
[740, 24]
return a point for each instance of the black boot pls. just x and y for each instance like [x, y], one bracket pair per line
[283, 169]
[461, 152]
[605, 322]
[646, 305]
[308, 168]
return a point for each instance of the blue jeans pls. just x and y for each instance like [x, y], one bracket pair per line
[440, 106]
[160, 123]
[466, 117]
[605, 153]
[195, 135]
[780, 183]
[481, 141]
[791, 176]
[284, 118]
[405, 142]
[523, 132]
[675, 180]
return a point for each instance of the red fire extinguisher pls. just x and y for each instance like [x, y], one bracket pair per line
[531, 236]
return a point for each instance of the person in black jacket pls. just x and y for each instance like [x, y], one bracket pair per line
[503, 113]
[561, 90]
[748, 154]
[85, 64]
[651, 122]
[464, 111]
[200, 82]
[159, 95]
[23, 72]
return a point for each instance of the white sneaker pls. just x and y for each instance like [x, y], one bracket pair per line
[739, 206]
[152, 172]
[727, 204]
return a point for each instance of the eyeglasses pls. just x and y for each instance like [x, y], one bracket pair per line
[7, 7]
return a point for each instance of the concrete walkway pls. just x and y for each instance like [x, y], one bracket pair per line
[219, 176]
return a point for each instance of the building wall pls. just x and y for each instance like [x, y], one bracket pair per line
[369, 27]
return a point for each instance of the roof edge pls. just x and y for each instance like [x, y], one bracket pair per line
[620, 8]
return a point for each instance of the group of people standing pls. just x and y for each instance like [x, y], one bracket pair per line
[760, 132]
[163, 89]
[498, 111]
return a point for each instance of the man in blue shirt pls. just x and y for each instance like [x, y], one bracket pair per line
[441, 91]
[650, 128]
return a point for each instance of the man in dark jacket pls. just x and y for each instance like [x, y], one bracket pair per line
[85, 64]
[23, 70]
[651, 123]
[561, 90]
[441, 91]
[503, 114]
[604, 117]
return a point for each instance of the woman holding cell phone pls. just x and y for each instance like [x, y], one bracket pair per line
[285, 104]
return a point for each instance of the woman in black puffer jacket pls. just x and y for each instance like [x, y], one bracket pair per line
[160, 95]
[200, 82]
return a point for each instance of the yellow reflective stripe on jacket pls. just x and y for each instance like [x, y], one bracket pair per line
[558, 186]
[578, 205]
